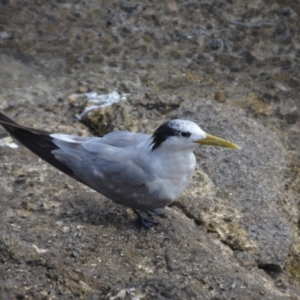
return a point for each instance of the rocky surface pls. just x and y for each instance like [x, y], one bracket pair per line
[230, 66]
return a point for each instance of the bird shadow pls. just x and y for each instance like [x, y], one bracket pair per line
[98, 211]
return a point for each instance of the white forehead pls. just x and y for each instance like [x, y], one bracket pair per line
[185, 125]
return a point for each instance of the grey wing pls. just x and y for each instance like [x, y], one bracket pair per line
[125, 138]
[112, 171]
[119, 139]
[99, 164]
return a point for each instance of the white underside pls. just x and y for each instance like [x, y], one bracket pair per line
[174, 172]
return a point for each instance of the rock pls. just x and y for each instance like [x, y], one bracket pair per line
[244, 205]
[220, 97]
[138, 113]
[235, 232]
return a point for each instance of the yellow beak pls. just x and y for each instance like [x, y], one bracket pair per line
[216, 141]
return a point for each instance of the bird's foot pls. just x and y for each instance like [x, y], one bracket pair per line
[156, 212]
[146, 222]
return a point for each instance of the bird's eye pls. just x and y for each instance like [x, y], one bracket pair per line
[185, 134]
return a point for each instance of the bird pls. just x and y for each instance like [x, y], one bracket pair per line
[137, 170]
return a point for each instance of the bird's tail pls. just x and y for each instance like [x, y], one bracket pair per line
[38, 141]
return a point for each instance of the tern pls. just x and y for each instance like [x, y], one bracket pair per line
[136, 170]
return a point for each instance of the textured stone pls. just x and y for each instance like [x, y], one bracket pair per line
[235, 232]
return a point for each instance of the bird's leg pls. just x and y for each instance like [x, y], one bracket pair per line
[145, 222]
[156, 212]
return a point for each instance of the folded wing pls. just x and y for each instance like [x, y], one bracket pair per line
[112, 165]
[94, 161]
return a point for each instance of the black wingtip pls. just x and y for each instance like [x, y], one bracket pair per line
[38, 141]
[10, 126]
[5, 119]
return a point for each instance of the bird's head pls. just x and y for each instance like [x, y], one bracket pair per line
[184, 134]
